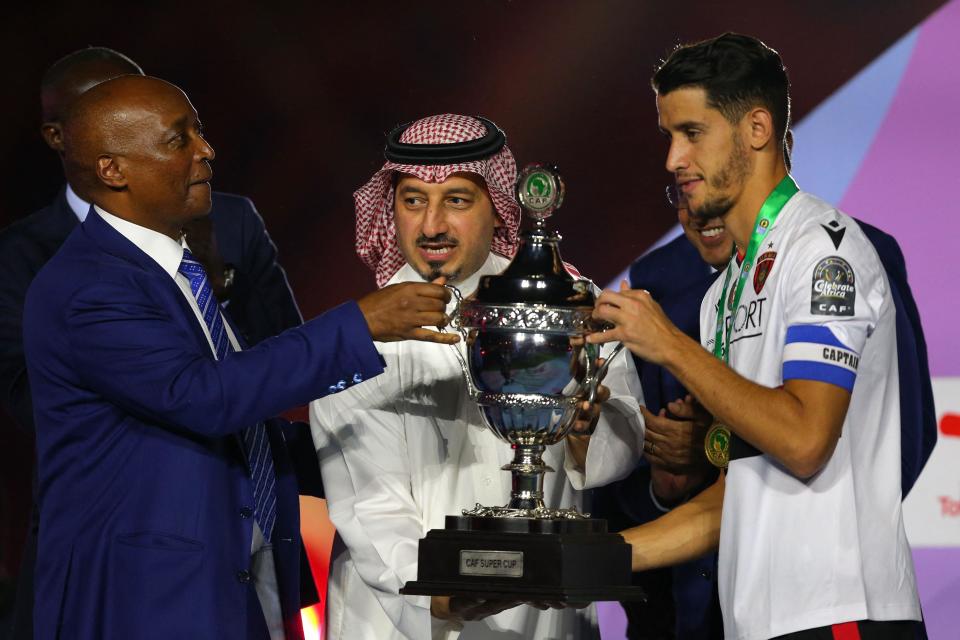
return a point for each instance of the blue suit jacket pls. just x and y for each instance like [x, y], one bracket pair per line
[261, 306]
[678, 279]
[144, 492]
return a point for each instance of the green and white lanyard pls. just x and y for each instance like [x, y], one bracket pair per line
[768, 215]
[717, 442]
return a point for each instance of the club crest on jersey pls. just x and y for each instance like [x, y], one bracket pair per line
[764, 266]
[834, 291]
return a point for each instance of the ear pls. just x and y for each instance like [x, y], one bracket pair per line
[497, 222]
[760, 124]
[53, 135]
[110, 173]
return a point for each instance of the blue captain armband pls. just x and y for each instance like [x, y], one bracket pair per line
[812, 352]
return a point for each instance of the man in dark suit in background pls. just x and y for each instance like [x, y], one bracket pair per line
[683, 599]
[168, 501]
[231, 243]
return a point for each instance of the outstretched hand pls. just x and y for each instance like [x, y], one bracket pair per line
[638, 321]
[401, 311]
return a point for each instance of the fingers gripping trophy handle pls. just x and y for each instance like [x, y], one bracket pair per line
[592, 381]
[457, 326]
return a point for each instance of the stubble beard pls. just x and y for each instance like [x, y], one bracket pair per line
[434, 270]
[734, 172]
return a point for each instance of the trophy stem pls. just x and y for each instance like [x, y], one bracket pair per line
[527, 471]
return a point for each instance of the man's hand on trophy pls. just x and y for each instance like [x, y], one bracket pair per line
[401, 311]
[638, 321]
[588, 412]
[459, 609]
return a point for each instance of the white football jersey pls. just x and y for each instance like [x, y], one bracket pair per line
[798, 554]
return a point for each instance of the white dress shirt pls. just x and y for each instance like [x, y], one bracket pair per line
[168, 253]
[402, 451]
[78, 205]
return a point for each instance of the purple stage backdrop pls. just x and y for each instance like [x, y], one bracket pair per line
[883, 147]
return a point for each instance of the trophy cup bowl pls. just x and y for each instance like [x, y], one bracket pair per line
[529, 369]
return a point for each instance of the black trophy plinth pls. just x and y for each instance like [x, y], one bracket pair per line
[524, 559]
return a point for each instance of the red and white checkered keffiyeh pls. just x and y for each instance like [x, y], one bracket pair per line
[376, 232]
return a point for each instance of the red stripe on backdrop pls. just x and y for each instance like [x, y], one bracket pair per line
[317, 532]
[846, 631]
[950, 424]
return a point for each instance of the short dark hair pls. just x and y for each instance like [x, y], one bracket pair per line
[65, 65]
[737, 72]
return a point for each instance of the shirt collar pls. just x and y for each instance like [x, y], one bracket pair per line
[164, 250]
[79, 206]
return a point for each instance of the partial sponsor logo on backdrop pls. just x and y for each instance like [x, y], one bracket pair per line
[950, 507]
[931, 512]
[950, 425]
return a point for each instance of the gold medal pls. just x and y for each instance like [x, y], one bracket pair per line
[717, 445]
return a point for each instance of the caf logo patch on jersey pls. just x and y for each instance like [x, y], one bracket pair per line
[764, 266]
[834, 291]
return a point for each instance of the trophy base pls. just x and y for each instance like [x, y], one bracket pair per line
[524, 559]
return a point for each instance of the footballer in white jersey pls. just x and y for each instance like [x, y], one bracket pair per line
[803, 553]
[799, 373]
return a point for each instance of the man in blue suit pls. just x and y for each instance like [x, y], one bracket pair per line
[231, 243]
[168, 506]
[683, 601]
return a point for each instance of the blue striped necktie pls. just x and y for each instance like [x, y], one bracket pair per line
[255, 439]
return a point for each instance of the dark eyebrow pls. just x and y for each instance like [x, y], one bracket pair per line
[455, 190]
[690, 124]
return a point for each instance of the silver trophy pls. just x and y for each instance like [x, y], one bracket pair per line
[529, 369]
[527, 366]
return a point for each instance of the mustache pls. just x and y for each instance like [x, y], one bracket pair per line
[442, 238]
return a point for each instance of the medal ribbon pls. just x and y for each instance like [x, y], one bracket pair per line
[768, 215]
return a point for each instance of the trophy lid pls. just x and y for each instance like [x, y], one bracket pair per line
[537, 274]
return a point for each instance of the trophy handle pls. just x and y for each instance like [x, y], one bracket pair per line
[592, 380]
[459, 328]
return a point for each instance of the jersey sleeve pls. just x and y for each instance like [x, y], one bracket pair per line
[833, 296]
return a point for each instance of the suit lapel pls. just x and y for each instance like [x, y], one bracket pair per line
[114, 243]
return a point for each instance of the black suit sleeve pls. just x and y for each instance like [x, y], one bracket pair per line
[265, 276]
[14, 386]
[303, 455]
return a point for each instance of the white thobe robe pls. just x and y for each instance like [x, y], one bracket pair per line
[403, 450]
